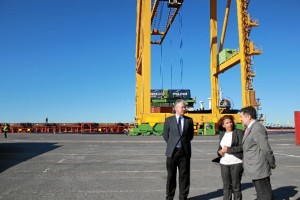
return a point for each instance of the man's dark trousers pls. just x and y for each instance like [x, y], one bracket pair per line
[180, 160]
[263, 188]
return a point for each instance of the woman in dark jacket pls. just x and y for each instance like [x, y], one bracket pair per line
[230, 152]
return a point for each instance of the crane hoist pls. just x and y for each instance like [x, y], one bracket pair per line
[222, 59]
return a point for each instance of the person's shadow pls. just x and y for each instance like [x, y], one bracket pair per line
[282, 193]
[218, 193]
[12, 154]
[285, 193]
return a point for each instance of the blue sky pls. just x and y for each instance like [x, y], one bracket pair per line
[74, 60]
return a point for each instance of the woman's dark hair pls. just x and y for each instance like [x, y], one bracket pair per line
[221, 122]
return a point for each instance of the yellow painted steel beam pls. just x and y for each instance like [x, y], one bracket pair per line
[213, 58]
[160, 117]
[138, 56]
[157, 32]
[233, 61]
[154, 10]
[252, 23]
[227, 11]
[197, 117]
[243, 51]
[143, 61]
[170, 23]
[138, 33]
[252, 50]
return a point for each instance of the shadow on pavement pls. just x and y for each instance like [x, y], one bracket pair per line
[218, 193]
[12, 154]
[285, 192]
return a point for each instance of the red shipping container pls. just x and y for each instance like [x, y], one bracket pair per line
[297, 127]
[157, 109]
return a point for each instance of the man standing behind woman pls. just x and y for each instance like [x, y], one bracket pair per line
[178, 133]
[258, 155]
[231, 153]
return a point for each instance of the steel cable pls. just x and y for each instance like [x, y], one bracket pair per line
[181, 47]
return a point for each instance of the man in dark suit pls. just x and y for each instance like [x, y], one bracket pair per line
[258, 156]
[178, 133]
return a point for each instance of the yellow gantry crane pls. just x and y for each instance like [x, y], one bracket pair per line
[147, 12]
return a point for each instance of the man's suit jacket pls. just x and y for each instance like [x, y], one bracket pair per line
[172, 135]
[258, 155]
[236, 148]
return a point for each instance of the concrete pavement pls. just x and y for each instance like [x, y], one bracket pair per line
[102, 166]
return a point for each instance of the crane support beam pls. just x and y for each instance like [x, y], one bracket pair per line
[228, 64]
[157, 32]
[227, 11]
[244, 45]
[252, 50]
[143, 59]
[154, 10]
[213, 58]
[169, 24]
[170, 21]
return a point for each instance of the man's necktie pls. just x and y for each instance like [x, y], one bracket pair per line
[179, 125]
[180, 131]
[246, 132]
